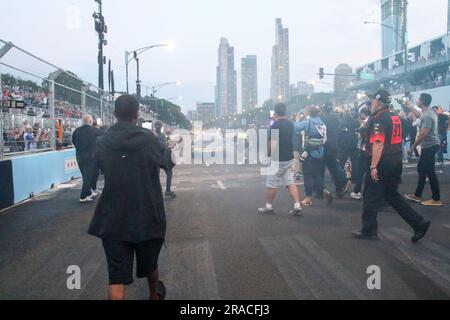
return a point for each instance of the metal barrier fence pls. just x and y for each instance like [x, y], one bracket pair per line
[39, 110]
[42, 116]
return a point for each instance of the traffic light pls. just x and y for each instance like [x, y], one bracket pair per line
[321, 73]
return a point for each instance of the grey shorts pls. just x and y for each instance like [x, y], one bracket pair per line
[284, 177]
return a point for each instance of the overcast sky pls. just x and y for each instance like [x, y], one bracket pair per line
[322, 33]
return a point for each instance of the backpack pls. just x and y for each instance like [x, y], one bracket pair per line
[316, 142]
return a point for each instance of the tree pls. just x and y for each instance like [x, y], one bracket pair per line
[70, 80]
[168, 112]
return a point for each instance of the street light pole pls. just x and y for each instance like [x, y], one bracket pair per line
[136, 53]
[405, 43]
[155, 89]
[101, 29]
[138, 81]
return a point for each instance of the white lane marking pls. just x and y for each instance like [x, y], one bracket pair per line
[221, 185]
[427, 257]
[188, 268]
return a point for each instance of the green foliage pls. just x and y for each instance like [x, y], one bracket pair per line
[68, 79]
[9, 79]
[167, 112]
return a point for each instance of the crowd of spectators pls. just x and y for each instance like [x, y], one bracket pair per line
[36, 102]
[31, 137]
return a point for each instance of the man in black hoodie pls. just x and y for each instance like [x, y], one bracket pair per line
[331, 149]
[130, 217]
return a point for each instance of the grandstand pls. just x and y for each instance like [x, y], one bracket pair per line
[427, 69]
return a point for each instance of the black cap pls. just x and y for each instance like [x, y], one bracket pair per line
[382, 96]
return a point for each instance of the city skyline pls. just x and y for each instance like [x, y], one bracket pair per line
[392, 30]
[332, 32]
[280, 81]
[226, 80]
[249, 82]
[342, 79]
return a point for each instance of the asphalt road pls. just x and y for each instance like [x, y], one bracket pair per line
[218, 247]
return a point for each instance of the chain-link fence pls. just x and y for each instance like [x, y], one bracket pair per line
[42, 104]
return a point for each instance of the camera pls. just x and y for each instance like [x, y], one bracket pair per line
[304, 156]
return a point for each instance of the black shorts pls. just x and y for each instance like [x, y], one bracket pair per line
[120, 257]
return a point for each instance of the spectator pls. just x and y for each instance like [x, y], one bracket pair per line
[315, 135]
[282, 163]
[443, 127]
[84, 139]
[331, 121]
[428, 139]
[131, 221]
[29, 139]
[348, 143]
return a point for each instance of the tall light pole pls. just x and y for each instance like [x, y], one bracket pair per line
[101, 29]
[405, 41]
[135, 56]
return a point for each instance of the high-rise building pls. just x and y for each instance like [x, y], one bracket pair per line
[279, 91]
[302, 88]
[249, 78]
[342, 80]
[392, 19]
[206, 111]
[192, 115]
[226, 89]
[448, 16]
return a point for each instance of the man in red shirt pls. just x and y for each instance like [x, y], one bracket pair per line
[384, 144]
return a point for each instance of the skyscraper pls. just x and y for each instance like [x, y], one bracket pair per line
[302, 88]
[226, 90]
[279, 91]
[249, 82]
[392, 15]
[206, 111]
[342, 80]
[448, 17]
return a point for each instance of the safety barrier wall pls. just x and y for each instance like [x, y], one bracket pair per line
[23, 177]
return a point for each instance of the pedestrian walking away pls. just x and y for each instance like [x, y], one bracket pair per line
[84, 139]
[282, 158]
[131, 220]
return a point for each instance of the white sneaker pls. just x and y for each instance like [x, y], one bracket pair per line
[356, 196]
[87, 199]
[95, 193]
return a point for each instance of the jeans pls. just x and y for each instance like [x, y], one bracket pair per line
[169, 175]
[426, 169]
[88, 170]
[330, 162]
[389, 172]
[443, 148]
[353, 155]
[313, 176]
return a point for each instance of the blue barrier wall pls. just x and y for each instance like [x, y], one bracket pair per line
[37, 173]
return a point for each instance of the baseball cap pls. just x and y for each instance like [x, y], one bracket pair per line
[382, 96]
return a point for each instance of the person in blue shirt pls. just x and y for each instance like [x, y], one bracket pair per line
[315, 133]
